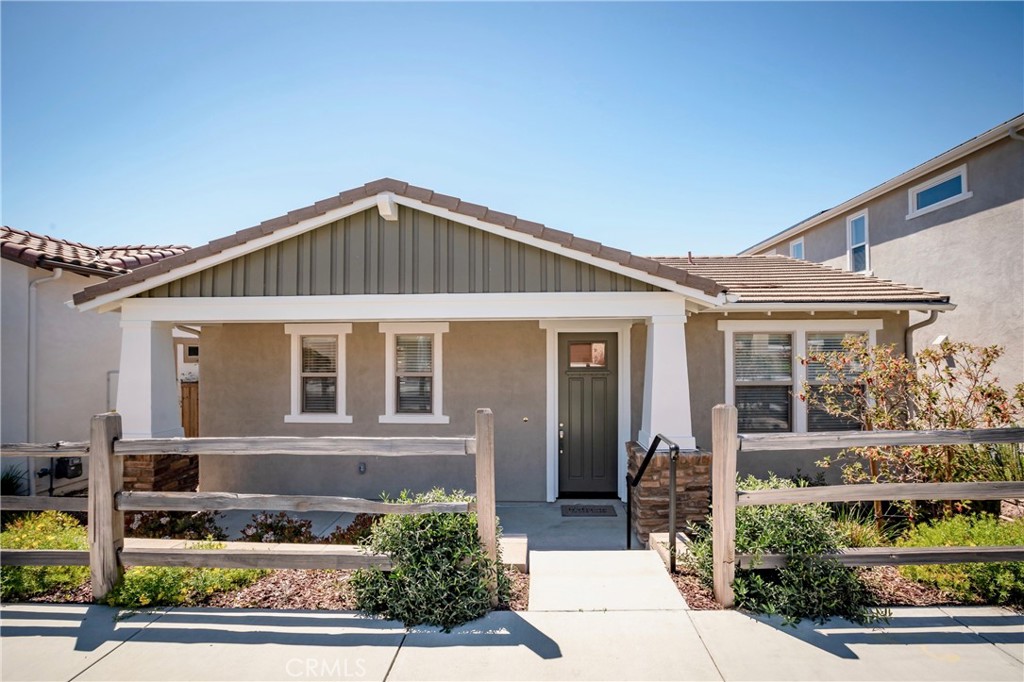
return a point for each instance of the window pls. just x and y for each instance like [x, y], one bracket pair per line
[817, 418]
[587, 354]
[796, 248]
[412, 393]
[318, 373]
[764, 378]
[857, 242]
[939, 192]
[763, 365]
[191, 353]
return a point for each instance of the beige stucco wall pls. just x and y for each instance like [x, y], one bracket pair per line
[500, 365]
[972, 250]
[705, 346]
[75, 352]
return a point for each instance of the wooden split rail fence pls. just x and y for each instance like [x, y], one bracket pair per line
[725, 498]
[107, 501]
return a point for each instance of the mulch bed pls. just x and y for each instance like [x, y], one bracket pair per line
[322, 590]
[885, 583]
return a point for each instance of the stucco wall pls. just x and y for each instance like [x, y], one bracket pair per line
[972, 250]
[705, 346]
[75, 351]
[500, 365]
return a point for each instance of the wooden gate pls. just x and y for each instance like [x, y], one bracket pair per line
[190, 408]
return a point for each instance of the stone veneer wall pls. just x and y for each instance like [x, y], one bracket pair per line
[650, 498]
[153, 473]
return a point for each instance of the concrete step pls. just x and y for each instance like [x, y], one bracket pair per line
[601, 581]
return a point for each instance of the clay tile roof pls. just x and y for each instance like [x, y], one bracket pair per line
[41, 251]
[781, 279]
[454, 204]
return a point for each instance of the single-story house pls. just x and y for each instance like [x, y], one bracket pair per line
[392, 310]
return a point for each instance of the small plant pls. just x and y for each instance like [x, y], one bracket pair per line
[172, 586]
[440, 573]
[857, 530]
[12, 481]
[996, 583]
[174, 525]
[809, 585]
[46, 530]
[356, 533]
[278, 528]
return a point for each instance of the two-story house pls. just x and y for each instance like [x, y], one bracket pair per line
[954, 223]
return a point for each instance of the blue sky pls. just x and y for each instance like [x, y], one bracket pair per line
[659, 128]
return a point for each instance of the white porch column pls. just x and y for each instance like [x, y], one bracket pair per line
[147, 390]
[666, 382]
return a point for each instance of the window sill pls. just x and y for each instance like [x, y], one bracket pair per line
[413, 419]
[317, 419]
[942, 204]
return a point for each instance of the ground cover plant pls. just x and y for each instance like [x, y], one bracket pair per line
[177, 525]
[46, 530]
[809, 585]
[440, 573]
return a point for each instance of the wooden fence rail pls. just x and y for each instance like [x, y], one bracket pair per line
[107, 501]
[725, 498]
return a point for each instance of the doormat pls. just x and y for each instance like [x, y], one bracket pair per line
[588, 510]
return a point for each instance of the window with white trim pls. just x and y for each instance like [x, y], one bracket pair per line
[938, 192]
[413, 389]
[857, 242]
[796, 248]
[318, 373]
[764, 376]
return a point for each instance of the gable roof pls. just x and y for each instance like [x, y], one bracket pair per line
[781, 279]
[326, 210]
[41, 251]
[999, 132]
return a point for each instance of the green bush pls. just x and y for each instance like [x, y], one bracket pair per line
[440, 574]
[809, 585]
[173, 586]
[46, 530]
[998, 583]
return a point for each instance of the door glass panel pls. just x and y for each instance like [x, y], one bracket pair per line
[587, 354]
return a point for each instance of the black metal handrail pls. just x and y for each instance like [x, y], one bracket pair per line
[634, 481]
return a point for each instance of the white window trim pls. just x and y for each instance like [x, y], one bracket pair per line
[391, 330]
[297, 331]
[795, 242]
[850, 245]
[799, 330]
[912, 193]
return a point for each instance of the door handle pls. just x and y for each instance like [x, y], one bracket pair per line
[561, 438]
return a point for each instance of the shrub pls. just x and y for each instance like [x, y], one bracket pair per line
[809, 585]
[46, 530]
[172, 586]
[997, 583]
[856, 530]
[355, 533]
[177, 525]
[440, 574]
[278, 528]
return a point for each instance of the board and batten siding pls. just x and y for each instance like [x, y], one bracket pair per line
[417, 254]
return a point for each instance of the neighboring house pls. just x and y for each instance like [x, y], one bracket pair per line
[58, 367]
[392, 310]
[954, 223]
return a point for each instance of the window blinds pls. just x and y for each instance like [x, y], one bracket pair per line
[319, 373]
[414, 366]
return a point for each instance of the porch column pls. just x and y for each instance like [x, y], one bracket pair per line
[147, 390]
[666, 382]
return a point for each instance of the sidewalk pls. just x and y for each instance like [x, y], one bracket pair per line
[594, 616]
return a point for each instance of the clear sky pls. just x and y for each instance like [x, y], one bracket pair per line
[659, 128]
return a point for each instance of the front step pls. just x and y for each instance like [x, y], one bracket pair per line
[601, 581]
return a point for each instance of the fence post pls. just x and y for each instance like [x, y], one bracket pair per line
[486, 515]
[106, 525]
[723, 501]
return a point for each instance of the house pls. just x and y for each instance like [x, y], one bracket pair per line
[58, 367]
[956, 223]
[393, 310]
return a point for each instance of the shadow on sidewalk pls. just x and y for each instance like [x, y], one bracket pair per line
[95, 625]
[836, 636]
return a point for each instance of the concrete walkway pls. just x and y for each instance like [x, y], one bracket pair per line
[593, 616]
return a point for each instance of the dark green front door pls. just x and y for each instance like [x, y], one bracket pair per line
[588, 414]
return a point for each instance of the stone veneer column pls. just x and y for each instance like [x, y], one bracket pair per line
[650, 498]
